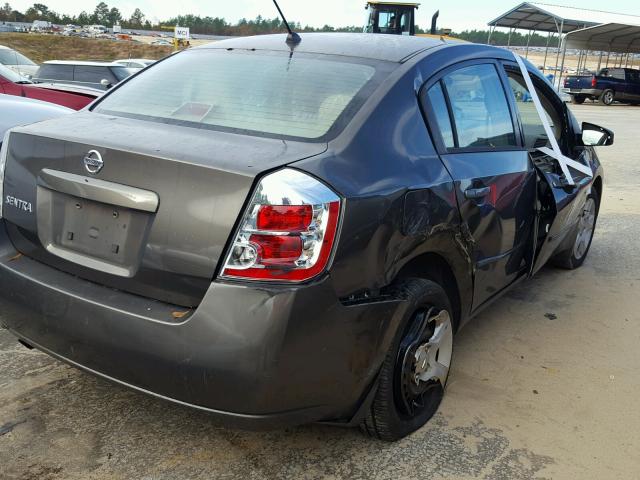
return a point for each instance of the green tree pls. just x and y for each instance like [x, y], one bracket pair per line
[114, 17]
[84, 18]
[101, 14]
[137, 18]
[5, 12]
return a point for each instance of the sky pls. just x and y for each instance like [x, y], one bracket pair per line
[456, 14]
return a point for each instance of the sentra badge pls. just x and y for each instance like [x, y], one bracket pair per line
[19, 204]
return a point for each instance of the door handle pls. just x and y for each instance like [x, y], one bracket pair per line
[475, 193]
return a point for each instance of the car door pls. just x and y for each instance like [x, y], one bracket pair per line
[558, 203]
[10, 88]
[474, 128]
[633, 85]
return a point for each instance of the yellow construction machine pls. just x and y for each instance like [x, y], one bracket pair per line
[398, 18]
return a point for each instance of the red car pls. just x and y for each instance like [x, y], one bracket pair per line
[12, 83]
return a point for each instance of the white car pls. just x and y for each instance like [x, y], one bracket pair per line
[17, 62]
[22, 111]
[135, 62]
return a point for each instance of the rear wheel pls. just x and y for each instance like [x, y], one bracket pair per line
[577, 99]
[415, 370]
[582, 236]
[607, 97]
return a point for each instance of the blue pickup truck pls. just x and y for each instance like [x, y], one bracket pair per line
[607, 86]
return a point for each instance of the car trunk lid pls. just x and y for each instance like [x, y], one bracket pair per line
[154, 219]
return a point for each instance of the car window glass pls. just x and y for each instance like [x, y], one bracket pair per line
[10, 75]
[535, 135]
[90, 74]
[11, 57]
[479, 106]
[55, 72]
[121, 72]
[405, 23]
[618, 73]
[435, 98]
[273, 93]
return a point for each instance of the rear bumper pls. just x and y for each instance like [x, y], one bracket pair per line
[588, 92]
[262, 356]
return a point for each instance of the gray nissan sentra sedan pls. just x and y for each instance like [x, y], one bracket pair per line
[280, 234]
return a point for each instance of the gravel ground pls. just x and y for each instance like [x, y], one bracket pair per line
[544, 385]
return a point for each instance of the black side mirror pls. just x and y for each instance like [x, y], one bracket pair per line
[595, 135]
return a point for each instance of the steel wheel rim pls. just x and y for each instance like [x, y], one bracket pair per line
[586, 224]
[425, 360]
[608, 97]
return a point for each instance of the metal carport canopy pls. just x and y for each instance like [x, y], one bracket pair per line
[610, 37]
[556, 18]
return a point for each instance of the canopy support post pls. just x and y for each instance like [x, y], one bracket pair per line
[509, 37]
[560, 30]
[526, 50]
[546, 51]
[564, 53]
[599, 61]
[491, 30]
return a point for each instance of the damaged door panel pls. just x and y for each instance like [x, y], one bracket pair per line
[559, 207]
[495, 182]
[558, 202]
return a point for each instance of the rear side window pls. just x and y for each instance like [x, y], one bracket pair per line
[266, 92]
[55, 72]
[479, 107]
[91, 74]
[612, 73]
[435, 98]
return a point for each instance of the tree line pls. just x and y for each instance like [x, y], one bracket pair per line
[104, 15]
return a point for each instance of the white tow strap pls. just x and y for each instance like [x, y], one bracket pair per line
[554, 151]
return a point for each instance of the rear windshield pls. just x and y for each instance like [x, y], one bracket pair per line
[11, 75]
[11, 57]
[265, 92]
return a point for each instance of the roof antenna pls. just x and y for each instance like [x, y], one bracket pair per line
[293, 38]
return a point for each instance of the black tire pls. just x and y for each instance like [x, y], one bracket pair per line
[387, 419]
[578, 99]
[573, 258]
[607, 97]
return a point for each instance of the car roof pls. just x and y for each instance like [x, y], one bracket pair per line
[390, 48]
[84, 64]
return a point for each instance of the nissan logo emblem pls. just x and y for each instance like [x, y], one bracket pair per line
[93, 162]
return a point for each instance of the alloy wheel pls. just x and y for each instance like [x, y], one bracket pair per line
[586, 224]
[608, 98]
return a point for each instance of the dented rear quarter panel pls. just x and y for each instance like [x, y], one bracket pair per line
[399, 198]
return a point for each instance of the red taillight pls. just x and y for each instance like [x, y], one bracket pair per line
[291, 242]
[277, 249]
[594, 82]
[284, 218]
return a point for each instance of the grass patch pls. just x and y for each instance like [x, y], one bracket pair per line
[41, 48]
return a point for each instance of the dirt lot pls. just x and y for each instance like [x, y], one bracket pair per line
[41, 48]
[545, 385]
